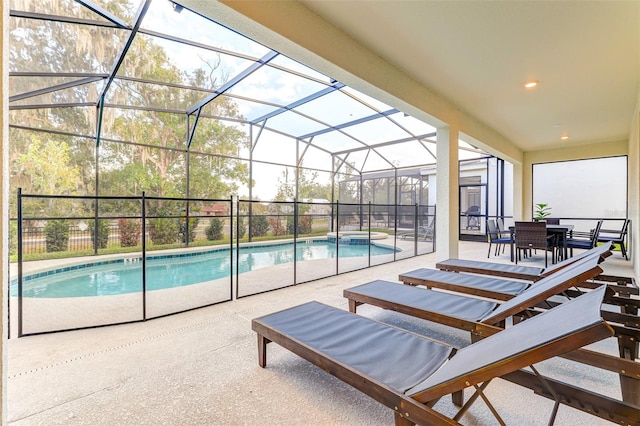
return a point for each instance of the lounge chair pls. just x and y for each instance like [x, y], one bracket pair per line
[622, 285]
[480, 317]
[425, 233]
[509, 270]
[483, 286]
[483, 318]
[409, 373]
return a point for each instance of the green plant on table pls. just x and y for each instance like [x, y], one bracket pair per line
[542, 210]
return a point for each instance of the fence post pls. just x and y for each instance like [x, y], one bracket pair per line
[96, 229]
[433, 239]
[395, 230]
[144, 256]
[231, 233]
[249, 224]
[369, 245]
[186, 224]
[19, 265]
[337, 235]
[238, 218]
[296, 219]
[415, 229]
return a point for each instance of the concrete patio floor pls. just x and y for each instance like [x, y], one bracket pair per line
[200, 367]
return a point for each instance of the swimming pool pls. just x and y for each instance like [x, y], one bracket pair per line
[167, 271]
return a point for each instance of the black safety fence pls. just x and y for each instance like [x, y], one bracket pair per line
[80, 262]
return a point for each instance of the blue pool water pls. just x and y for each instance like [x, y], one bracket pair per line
[119, 277]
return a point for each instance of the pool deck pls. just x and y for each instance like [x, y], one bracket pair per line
[200, 367]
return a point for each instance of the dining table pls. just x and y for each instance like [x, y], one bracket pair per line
[561, 232]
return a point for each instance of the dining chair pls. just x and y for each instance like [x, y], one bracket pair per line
[533, 236]
[588, 240]
[495, 237]
[616, 237]
[501, 229]
[559, 238]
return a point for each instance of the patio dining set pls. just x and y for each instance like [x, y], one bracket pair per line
[552, 237]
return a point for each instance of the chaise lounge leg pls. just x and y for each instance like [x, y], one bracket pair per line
[262, 350]
[629, 386]
[457, 398]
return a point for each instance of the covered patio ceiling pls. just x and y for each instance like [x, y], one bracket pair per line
[267, 95]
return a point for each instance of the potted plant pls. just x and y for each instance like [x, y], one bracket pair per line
[542, 210]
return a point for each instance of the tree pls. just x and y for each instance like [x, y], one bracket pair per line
[153, 157]
[215, 229]
[308, 186]
[259, 226]
[47, 167]
[308, 189]
[160, 165]
[103, 232]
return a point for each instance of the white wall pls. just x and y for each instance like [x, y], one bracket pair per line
[594, 188]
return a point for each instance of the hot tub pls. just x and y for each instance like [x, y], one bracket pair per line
[355, 237]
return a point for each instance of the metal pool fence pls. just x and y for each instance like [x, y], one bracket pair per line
[55, 235]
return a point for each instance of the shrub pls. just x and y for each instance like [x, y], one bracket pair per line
[103, 232]
[129, 232]
[193, 224]
[304, 224]
[276, 226]
[291, 229]
[215, 229]
[57, 235]
[163, 231]
[259, 226]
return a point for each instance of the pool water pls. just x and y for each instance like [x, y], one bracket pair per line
[177, 271]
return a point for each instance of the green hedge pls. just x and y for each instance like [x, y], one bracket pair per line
[57, 235]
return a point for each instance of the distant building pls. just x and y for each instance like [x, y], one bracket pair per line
[216, 210]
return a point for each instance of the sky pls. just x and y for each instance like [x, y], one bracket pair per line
[280, 88]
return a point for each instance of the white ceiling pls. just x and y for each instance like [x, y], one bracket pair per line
[479, 54]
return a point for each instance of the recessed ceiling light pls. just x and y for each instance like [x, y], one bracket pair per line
[564, 138]
[531, 84]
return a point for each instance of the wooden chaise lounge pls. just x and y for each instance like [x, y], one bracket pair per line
[481, 285]
[624, 286]
[519, 272]
[479, 316]
[408, 372]
[483, 318]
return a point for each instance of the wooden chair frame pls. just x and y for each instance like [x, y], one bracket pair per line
[501, 354]
[627, 334]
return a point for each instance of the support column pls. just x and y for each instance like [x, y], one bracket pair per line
[520, 196]
[447, 194]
